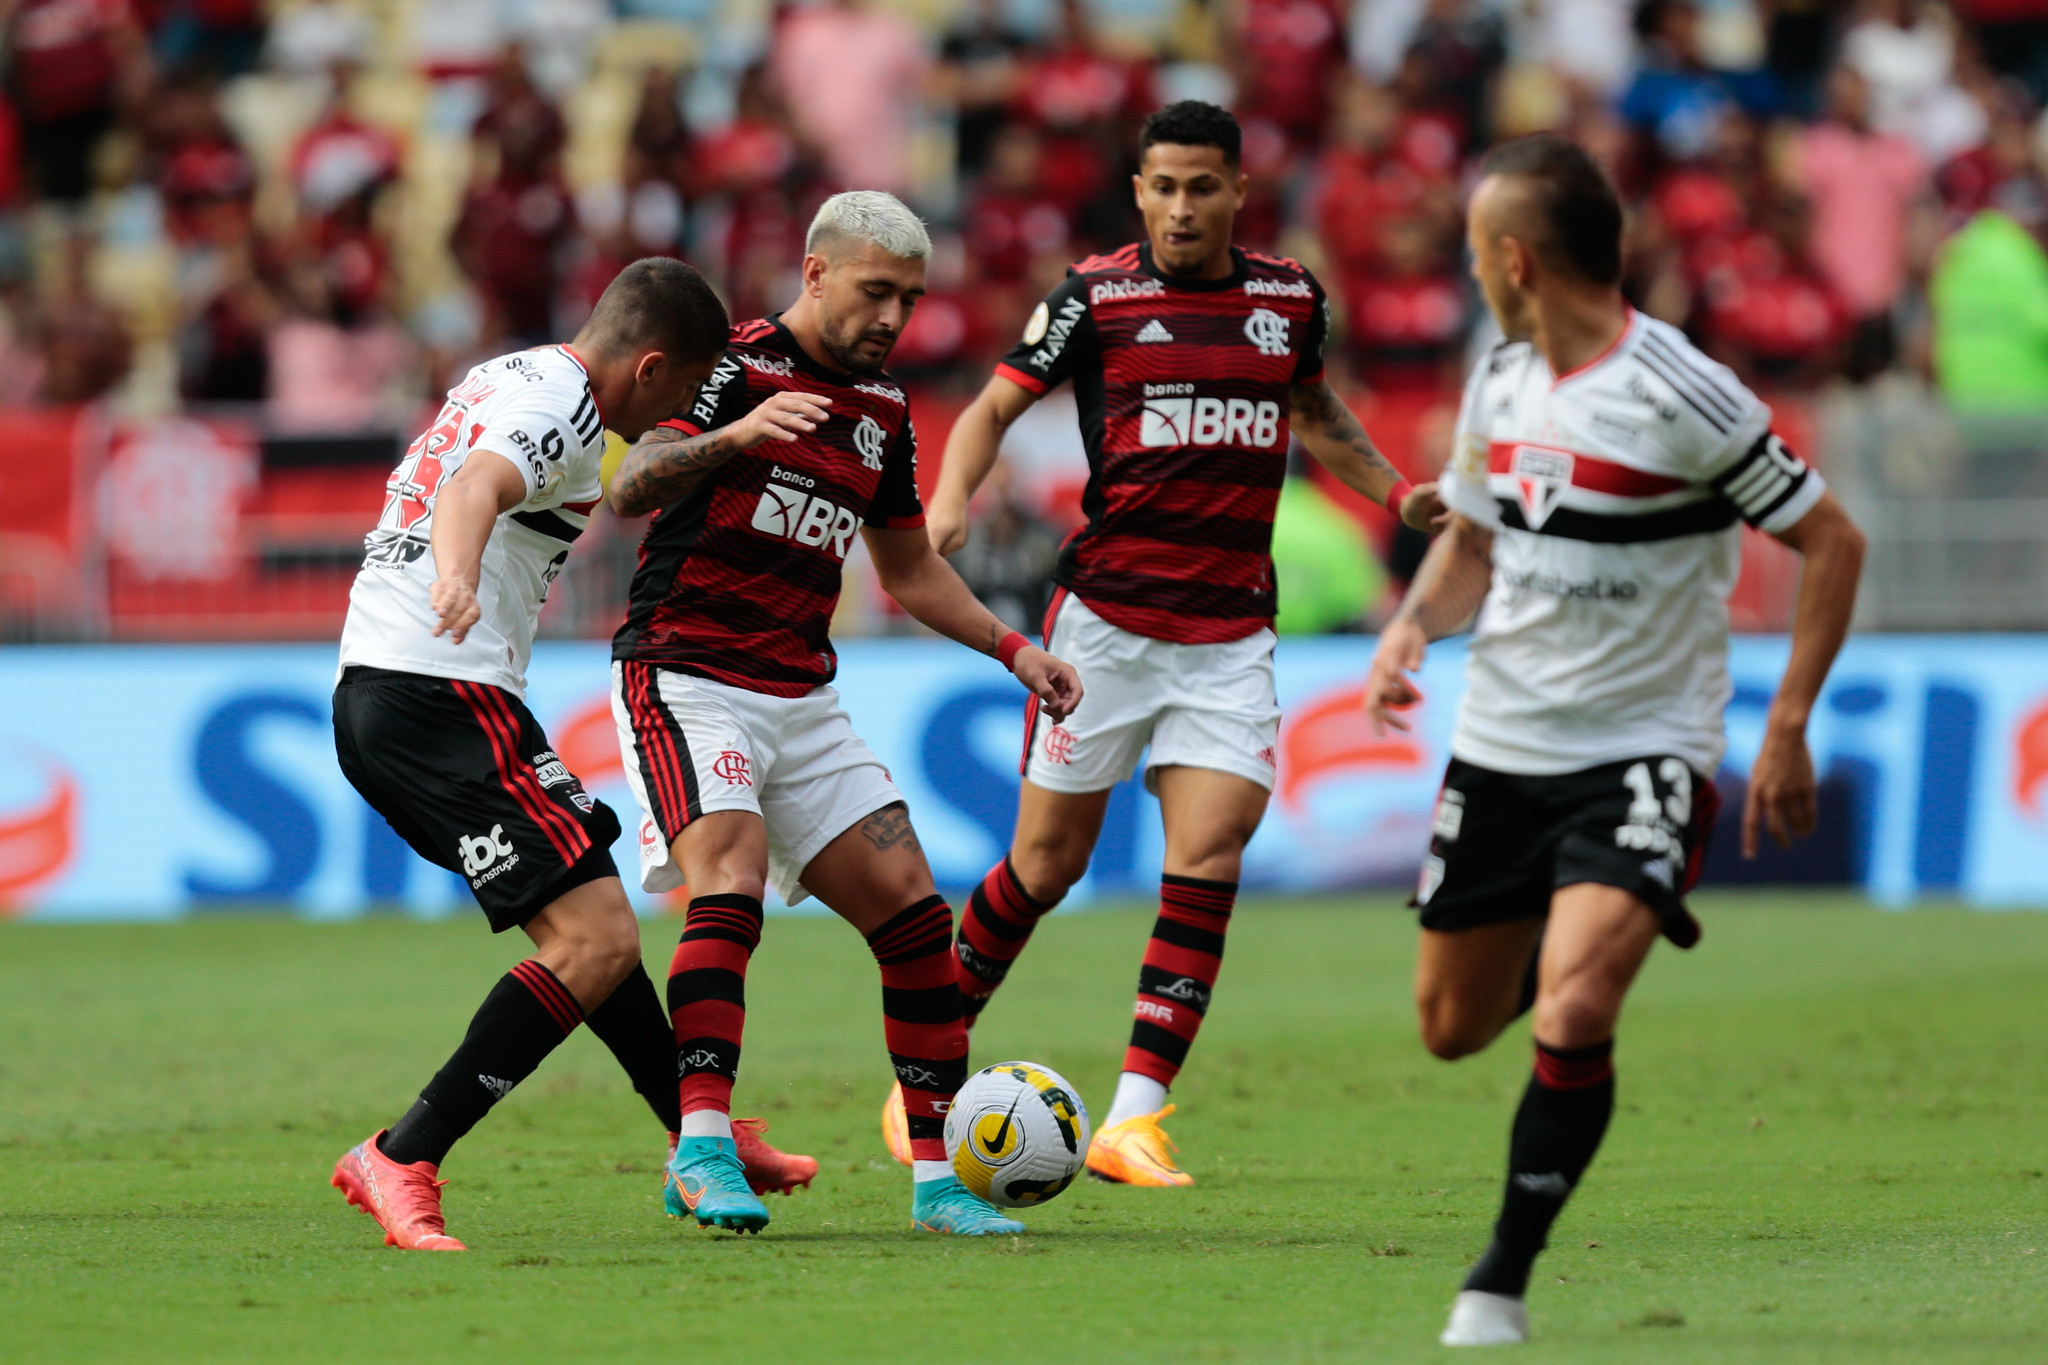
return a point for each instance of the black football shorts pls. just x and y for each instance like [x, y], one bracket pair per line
[1502, 843]
[466, 776]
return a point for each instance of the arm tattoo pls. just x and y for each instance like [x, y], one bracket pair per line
[889, 827]
[1332, 434]
[1454, 579]
[665, 465]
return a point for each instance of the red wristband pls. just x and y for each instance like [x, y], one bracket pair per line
[1397, 495]
[1008, 649]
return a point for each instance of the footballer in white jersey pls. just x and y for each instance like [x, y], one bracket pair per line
[1601, 471]
[535, 409]
[430, 728]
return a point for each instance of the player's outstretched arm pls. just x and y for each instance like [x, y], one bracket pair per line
[1447, 590]
[970, 453]
[668, 463]
[465, 510]
[1782, 794]
[1331, 432]
[925, 585]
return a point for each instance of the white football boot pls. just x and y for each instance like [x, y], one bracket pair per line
[1482, 1319]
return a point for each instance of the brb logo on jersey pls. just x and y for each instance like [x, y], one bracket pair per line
[1267, 330]
[1541, 475]
[870, 440]
[792, 514]
[1174, 417]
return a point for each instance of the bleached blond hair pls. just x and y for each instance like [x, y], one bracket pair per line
[869, 216]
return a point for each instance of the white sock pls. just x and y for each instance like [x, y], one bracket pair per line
[705, 1123]
[921, 1171]
[1135, 1095]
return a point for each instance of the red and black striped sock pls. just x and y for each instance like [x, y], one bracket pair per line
[707, 997]
[921, 1018]
[524, 1018]
[1179, 972]
[996, 926]
[1563, 1116]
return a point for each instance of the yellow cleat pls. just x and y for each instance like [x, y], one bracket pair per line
[1136, 1152]
[896, 1125]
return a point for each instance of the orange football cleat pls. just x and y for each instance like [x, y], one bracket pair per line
[405, 1200]
[768, 1169]
[896, 1125]
[1136, 1152]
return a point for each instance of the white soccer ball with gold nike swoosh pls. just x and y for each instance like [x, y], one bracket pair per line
[1017, 1134]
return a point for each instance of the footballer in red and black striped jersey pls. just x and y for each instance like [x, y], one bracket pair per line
[747, 772]
[737, 581]
[1195, 365]
[1182, 387]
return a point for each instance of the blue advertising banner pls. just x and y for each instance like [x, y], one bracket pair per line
[144, 781]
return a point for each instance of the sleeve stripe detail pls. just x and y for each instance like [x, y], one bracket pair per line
[1029, 381]
[1764, 514]
[1708, 388]
[678, 424]
[1763, 480]
[1714, 420]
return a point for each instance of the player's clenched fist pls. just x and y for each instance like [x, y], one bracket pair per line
[781, 417]
[454, 601]
[1423, 510]
[1388, 688]
[1051, 679]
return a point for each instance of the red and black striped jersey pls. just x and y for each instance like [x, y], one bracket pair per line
[738, 580]
[1182, 390]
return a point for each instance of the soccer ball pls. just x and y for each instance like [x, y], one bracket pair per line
[1017, 1134]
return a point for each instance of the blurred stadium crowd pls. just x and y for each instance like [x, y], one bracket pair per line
[320, 212]
[331, 207]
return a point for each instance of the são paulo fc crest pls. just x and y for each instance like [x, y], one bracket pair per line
[1541, 475]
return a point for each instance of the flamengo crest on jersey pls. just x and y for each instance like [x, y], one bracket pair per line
[738, 580]
[535, 409]
[1182, 388]
[1614, 496]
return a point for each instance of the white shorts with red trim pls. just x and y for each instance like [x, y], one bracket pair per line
[1196, 706]
[693, 746]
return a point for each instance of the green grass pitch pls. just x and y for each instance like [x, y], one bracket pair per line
[1830, 1147]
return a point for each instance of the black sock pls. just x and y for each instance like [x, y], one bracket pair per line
[1562, 1118]
[524, 1018]
[632, 1023]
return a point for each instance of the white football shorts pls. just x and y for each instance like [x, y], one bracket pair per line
[693, 746]
[1199, 706]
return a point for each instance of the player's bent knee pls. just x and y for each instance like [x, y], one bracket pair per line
[1049, 873]
[1570, 1018]
[1450, 1039]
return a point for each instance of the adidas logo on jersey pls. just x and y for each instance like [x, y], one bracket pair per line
[1154, 331]
[788, 514]
[1209, 422]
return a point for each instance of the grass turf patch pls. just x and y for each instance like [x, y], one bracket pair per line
[1829, 1147]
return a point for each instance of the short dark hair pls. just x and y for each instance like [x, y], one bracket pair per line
[660, 303]
[1194, 123]
[1578, 211]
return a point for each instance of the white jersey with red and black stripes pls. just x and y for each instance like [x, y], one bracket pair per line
[535, 409]
[1614, 494]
